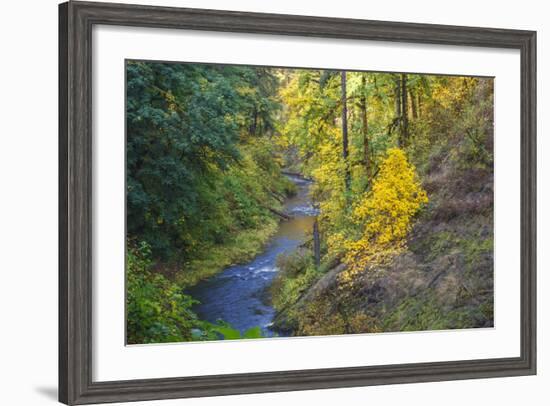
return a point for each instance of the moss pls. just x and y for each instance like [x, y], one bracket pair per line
[475, 247]
[426, 313]
[439, 244]
[471, 245]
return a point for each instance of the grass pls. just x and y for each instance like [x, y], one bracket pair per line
[245, 246]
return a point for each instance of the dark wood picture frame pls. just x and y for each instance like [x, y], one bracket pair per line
[76, 20]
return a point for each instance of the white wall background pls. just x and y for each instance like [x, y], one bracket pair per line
[28, 201]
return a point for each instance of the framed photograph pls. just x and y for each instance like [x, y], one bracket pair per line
[257, 202]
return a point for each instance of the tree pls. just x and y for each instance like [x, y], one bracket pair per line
[345, 141]
[404, 112]
[190, 127]
[364, 127]
[386, 211]
[397, 97]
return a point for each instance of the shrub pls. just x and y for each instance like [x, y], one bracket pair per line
[157, 310]
[385, 213]
[296, 274]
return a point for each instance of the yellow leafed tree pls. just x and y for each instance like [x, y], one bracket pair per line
[385, 213]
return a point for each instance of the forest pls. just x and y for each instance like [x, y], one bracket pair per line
[286, 202]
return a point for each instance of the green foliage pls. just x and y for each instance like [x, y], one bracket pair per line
[205, 148]
[229, 333]
[254, 332]
[199, 166]
[158, 311]
[296, 274]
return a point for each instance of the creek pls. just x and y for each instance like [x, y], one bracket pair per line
[240, 294]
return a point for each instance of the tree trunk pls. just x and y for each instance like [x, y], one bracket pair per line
[345, 146]
[364, 119]
[397, 119]
[404, 111]
[414, 108]
[254, 124]
[316, 243]
[397, 97]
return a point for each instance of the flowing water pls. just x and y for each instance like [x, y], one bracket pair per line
[239, 294]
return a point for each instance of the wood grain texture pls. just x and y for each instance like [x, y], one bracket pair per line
[63, 245]
[75, 202]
